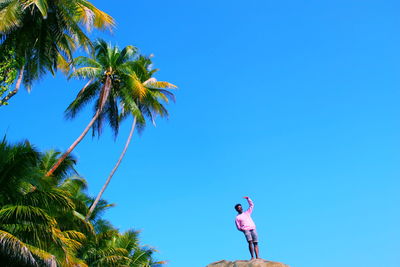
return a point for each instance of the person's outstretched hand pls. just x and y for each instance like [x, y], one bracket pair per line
[246, 197]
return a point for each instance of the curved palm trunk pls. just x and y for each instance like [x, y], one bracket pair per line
[113, 170]
[103, 98]
[72, 147]
[16, 89]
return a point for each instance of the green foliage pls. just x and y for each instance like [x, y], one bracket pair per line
[44, 214]
[45, 33]
[120, 84]
[108, 73]
[8, 74]
[42, 219]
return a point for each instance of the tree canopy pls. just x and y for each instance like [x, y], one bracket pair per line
[42, 219]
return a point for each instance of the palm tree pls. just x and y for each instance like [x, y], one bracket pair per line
[43, 34]
[42, 220]
[111, 248]
[31, 233]
[149, 106]
[108, 71]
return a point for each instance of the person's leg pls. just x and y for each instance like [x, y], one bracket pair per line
[249, 239]
[254, 237]
[256, 249]
[251, 249]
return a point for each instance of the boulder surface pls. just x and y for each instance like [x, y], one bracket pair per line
[252, 263]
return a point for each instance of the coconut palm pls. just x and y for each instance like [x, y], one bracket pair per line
[30, 204]
[42, 220]
[111, 248]
[101, 250]
[43, 34]
[148, 104]
[108, 72]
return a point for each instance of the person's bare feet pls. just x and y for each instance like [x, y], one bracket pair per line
[252, 259]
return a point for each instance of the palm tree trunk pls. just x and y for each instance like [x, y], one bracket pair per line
[103, 99]
[16, 89]
[113, 170]
[72, 147]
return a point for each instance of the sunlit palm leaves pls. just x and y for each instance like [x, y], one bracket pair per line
[44, 33]
[29, 208]
[108, 72]
[111, 248]
[14, 252]
[136, 93]
[42, 219]
[155, 92]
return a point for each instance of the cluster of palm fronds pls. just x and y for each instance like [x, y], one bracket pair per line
[43, 34]
[45, 217]
[42, 219]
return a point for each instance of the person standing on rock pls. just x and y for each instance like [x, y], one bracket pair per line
[245, 224]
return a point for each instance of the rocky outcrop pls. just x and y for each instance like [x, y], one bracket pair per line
[252, 263]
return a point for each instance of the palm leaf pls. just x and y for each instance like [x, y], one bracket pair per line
[16, 250]
[18, 213]
[92, 16]
[83, 98]
[86, 73]
[10, 12]
[41, 5]
[153, 83]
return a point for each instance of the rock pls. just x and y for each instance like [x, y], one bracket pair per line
[252, 263]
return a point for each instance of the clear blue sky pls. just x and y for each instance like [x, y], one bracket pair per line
[294, 103]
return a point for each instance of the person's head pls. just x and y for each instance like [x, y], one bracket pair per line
[238, 208]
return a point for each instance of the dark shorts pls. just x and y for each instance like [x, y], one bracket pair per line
[251, 235]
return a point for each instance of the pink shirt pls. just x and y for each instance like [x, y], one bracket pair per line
[243, 221]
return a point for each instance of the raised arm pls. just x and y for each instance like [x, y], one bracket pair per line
[251, 205]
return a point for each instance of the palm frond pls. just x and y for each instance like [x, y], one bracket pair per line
[41, 5]
[92, 16]
[74, 185]
[113, 260]
[86, 73]
[129, 240]
[86, 61]
[16, 250]
[50, 198]
[14, 214]
[43, 257]
[10, 15]
[87, 94]
[163, 94]
[126, 54]
[49, 158]
[153, 83]
[137, 88]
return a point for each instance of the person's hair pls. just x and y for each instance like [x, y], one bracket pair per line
[237, 205]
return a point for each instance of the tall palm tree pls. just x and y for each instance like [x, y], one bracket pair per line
[43, 34]
[149, 104]
[107, 72]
